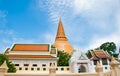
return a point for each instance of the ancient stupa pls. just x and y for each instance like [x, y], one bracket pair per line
[61, 41]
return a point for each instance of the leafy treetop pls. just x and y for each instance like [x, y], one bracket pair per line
[63, 58]
[11, 67]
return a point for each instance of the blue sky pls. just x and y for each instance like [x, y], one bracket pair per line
[87, 23]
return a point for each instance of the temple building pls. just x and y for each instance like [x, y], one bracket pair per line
[43, 57]
[31, 55]
[80, 63]
[102, 57]
[39, 54]
[61, 41]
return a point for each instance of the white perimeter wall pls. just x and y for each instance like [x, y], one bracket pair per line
[39, 62]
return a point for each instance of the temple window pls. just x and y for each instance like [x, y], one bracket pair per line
[38, 68]
[44, 69]
[43, 65]
[20, 68]
[105, 67]
[68, 69]
[26, 68]
[56, 68]
[26, 64]
[16, 64]
[32, 68]
[62, 69]
[50, 64]
[104, 61]
[95, 62]
[34, 64]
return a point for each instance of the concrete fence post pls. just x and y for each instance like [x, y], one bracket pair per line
[3, 69]
[99, 69]
[114, 67]
[52, 70]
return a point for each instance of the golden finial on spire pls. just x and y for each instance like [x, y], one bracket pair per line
[60, 32]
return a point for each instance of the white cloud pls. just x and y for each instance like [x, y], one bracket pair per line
[99, 18]
[80, 6]
[97, 41]
[96, 12]
[80, 17]
[117, 20]
[9, 37]
[55, 8]
[49, 38]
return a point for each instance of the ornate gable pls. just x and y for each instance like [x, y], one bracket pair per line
[83, 57]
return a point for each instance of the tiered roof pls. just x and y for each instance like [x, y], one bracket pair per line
[31, 47]
[99, 54]
[20, 51]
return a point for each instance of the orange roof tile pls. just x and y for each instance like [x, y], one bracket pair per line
[99, 54]
[30, 47]
[29, 56]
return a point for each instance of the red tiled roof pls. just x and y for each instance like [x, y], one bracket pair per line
[29, 56]
[99, 54]
[30, 47]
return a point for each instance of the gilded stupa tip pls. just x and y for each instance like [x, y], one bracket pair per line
[60, 32]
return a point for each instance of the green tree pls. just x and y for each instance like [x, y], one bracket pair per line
[110, 47]
[2, 59]
[63, 58]
[11, 67]
[115, 55]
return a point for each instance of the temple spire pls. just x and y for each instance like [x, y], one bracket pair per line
[61, 41]
[60, 32]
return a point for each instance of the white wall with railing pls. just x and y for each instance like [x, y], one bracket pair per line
[42, 69]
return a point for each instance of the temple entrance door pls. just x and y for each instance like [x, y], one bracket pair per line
[81, 69]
